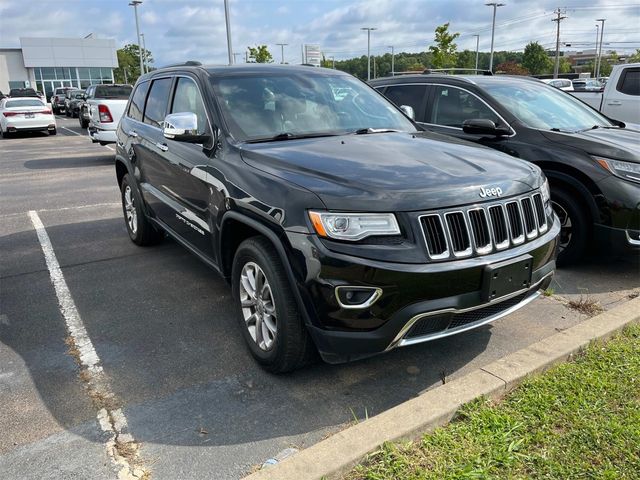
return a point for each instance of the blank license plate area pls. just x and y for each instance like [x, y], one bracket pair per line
[503, 278]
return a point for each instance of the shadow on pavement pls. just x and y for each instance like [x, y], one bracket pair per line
[99, 159]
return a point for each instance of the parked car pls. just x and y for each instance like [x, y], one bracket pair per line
[69, 96]
[587, 84]
[19, 114]
[561, 83]
[57, 99]
[620, 98]
[593, 163]
[23, 92]
[2, 95]
[103, 107]
[75, 103]
[339, 224]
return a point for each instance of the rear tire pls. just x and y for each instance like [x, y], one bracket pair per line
[141, 231]
[575, 225]
[270, 321]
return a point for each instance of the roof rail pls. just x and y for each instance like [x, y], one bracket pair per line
[456, 70]
[188, 63]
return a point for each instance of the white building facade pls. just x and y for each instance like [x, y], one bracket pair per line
[47, 63]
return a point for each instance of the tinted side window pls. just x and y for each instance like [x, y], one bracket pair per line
[156, 108]
[187, 99]
[411, 95]
[452, 106]
[136, 107]
[630, 82]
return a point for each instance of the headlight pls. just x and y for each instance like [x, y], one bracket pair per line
[546, 194]
[353, 226]
[626, 170]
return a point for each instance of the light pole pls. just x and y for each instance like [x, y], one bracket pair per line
[282, 45]
[393, 61]
[235, 54]
[144, 54]
[493, 30]
[477, 50]
[368, 29]
[333, 62]
[595, 52]
[134, 4]
[601, 20]
[226, 19]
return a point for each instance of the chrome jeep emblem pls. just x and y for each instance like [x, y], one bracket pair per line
[490, 192]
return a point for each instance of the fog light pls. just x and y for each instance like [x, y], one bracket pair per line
[357, 297]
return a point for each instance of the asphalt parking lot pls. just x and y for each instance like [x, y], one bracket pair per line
[162, 326]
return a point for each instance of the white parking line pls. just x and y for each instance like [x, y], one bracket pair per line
[80, 135]
[110, 417]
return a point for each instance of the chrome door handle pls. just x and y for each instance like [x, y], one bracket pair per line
[132, 133]
[162, 146]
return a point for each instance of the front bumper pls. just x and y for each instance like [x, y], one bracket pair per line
[102, 136]
[418, 302]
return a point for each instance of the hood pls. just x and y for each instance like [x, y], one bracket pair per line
[393, 171]
[618, 143]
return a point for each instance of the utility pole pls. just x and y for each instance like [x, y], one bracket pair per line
[493, 29]
[559, 17]
[368, 29]
[595, 52]
[393, 69]
[226, 18]
[144, 54]
[374, 67]
[601, 20]
[134, 4]
[333, 62]
[282, 45]
[235, 54]
[477, 50]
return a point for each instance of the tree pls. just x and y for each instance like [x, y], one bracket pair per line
[564, 66]
[511, 68]
[634, 57]
[260, 54]
[128, 69]
[536, 60]
[466, 59]
[444, 50]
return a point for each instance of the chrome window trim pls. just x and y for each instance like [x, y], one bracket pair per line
[399, 340]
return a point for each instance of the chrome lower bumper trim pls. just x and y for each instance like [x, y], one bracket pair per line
[400, 341]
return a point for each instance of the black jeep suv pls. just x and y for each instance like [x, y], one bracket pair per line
[592, 162]
[340, 225]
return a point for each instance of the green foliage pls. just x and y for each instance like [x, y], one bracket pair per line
[564, 65]
[634, 57]
[579, 420]
[128, 69]
[260, 54]
[536, 60]
[466, 59]
[444, 50]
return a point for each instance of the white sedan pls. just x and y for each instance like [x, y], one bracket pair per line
[18, 114]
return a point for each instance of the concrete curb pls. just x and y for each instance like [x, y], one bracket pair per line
[407, 421]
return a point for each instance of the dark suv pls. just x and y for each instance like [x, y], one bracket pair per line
[340, 226]
[592, 162]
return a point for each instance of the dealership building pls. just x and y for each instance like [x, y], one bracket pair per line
[47, 63]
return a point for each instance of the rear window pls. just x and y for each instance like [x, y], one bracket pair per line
[121, 92]
[24, 103]
[630, 82]
[23, 92]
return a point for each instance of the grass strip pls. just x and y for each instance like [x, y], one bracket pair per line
[578, 420]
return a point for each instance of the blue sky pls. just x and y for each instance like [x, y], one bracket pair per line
[176, 30]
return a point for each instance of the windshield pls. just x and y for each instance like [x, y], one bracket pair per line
[546, 108]
[264, 106]
[113, 91]
[24, 103]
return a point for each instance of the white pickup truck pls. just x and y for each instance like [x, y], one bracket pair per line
[105, 105]
[620, 99]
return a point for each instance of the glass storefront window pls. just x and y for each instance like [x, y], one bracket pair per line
[48, 73]
[83, 72]
[95, 74]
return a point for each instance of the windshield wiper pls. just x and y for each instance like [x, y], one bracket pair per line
[290, 136]
[364, 131]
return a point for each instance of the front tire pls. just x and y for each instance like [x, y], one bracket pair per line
[141, 231]
[574, 225]
[266, 308]
[53, 132]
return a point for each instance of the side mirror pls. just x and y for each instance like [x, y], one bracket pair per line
[408, 111]
[481, 126]
[183, 127]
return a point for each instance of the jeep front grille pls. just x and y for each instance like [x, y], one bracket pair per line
[482, 229]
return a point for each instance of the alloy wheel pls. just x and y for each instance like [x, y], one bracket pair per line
[565, 225]
[258, 305]
[130, 209]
